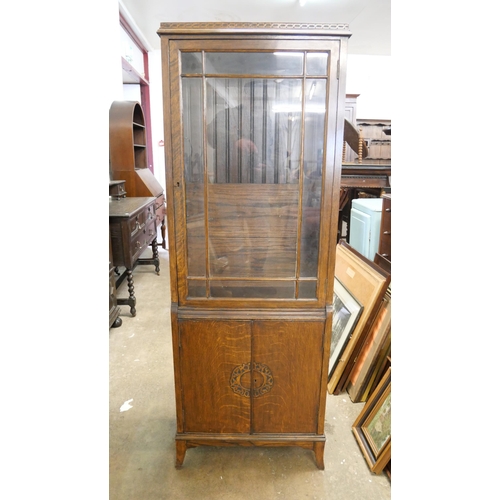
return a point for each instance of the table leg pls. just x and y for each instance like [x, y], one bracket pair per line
[163, 231]
[130, 301]
[156, 258]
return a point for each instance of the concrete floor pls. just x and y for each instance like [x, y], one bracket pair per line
[142, 427]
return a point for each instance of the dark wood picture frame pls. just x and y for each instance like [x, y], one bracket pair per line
[367, 358]
[372, 427]
[346, 313]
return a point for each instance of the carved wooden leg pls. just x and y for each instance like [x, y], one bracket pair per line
[130, 300]
[180, 448]
[163, 231]
[154, 245]
[319, 450]
[131, 295]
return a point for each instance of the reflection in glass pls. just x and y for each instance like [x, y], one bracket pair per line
[193, 168]
[314, 129]
[197, 288]
[252, 230]
[253, 290]
[316, 63]
[307, 289]
[261, 152]
[191, 63]
[254, 63]
[254, 130]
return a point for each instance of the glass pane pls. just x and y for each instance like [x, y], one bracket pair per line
[315, 106]
[307, 289]
[255, 290]
[193, 171]
[253, 230]
[316, 63]
[253, 131]
[254, 63]
[253, 155]
[197, 288]
[191, 63]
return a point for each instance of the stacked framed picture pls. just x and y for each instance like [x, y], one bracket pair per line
[375, 349]
[372, 427]
[346, 313]
[359, 289]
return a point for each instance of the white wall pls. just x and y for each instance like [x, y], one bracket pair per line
[370, 76]
[156, 97]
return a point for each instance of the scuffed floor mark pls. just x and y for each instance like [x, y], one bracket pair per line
[126, 406]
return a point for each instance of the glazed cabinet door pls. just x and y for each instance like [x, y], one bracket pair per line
[252, 169]
[293, 354]
[210, 352]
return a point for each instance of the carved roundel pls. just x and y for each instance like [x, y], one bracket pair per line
[263, 377]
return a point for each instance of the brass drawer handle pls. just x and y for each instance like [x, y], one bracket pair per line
[138, 226]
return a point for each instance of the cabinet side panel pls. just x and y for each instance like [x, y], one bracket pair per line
[360, 232]
[293, 352]
[210, 351]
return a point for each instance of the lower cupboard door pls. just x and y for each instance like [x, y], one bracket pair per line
[215, 375]
[287, 360]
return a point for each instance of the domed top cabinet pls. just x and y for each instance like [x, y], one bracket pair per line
[254, 118]
[128, 155]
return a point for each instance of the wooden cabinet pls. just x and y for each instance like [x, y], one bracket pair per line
[377, 136]
[384, 248]
[236, 375]
[132, 228]
[117, 189]
[253, 156]
[350, 155]
[364, 225]
[128, 156]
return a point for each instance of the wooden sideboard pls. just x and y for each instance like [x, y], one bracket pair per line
[132, 227]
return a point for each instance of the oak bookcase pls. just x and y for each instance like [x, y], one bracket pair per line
[254, 118]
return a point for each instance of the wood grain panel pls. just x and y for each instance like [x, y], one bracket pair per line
[209, 352]
[293, 352]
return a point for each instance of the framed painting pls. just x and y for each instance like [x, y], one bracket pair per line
[372, 428]
[346, 312]
[367, 358]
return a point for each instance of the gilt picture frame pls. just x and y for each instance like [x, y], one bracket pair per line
[372, 428]
[346, 313]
